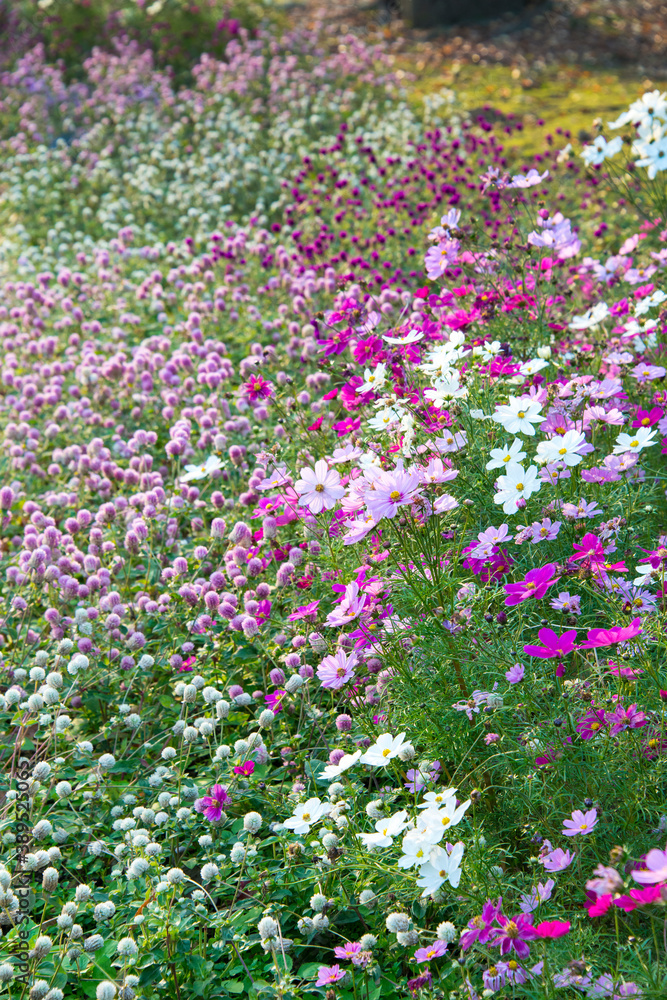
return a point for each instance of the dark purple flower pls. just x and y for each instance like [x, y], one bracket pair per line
[513, 934]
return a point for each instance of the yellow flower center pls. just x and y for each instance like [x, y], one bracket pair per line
[445, 820]
[633, 444]
[395, 495]
[521, 414]
[319, 488]
[519, 486]
[305, 817]
[511, 929]
[385, 753]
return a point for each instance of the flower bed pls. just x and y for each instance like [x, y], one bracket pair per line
[333, 544]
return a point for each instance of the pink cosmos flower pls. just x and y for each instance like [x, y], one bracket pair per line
[515, 673]
[596, 637]
[513, 934]
[535, 584]
[391, 491]
[319, 488]
[581, 823]
[553, 928]
[257, 388]
[491, 738]
[435, 950]
[352, 605]
[553, 645]
[601, 905]
[569, 603]
[336, 670]
[557, 860]
[655, 870]
[349, 950]
[211, 806]
[305, 611]
[626, 718]
[329, 974]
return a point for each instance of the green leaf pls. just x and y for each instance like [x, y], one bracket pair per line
[232, 986]
[314, 770]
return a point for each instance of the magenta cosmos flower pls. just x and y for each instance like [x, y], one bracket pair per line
[552, 645]
[212, 805]
[535, 584]
[596, 637]
[336, 670]
[319, 488]
[514, 934]
[480, 927]
[581, 823]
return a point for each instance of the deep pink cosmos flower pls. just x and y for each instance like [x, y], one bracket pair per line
[646, 418]
[245, 769]
[553, 928]
[590, 547]
[601, 905]
[211, 806]
[513, 934]
[596, 637]
[580, 824]
[535, 584]
[327, 974]
[274, 700]
[435, 950]
[639, 897]
[480, 927]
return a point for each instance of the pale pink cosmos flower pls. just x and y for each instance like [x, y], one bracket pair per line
[656, 868]
[557, 860]
[336, 670]
[319, 488]
[352, 605]
[581, 823]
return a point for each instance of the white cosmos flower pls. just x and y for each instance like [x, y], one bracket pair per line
[593, 317]
[319, 488]
[212, 464]
[410, 338]
[517, 484]
[444, 389]
[436, 821]
[385, 830]
[534, 366]
[416, 850]
[600, 150]
[441, 867]
[562, 448]
[346, 761]
[384, 419]
[306, 815]
[642, 437]
[433, 800]
[518, 415]
[384, 749]
[373, 380]
[503, 457]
